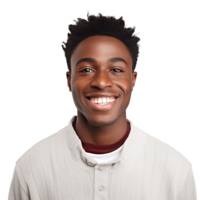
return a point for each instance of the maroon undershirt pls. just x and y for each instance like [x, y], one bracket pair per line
[100, 149]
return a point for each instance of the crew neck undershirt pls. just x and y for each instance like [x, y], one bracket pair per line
[104, 149]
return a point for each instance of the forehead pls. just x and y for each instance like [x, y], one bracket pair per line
[101, 48]
[100, 40]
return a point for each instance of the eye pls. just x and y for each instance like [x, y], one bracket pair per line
[90, 69]
[85, 69]
[118, 69]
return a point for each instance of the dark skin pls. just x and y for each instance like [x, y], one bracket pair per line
[101, 66]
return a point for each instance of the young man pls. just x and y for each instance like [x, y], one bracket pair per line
[101, 155]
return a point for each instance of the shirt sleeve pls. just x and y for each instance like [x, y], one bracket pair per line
[188, 191]
[16, 191]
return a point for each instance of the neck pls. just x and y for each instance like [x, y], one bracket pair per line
[100, 132]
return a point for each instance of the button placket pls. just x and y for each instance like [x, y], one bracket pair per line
[101, 188]
[101, 181]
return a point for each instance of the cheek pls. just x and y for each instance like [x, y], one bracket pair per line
[128, 87]
[76, 92]
[79, 84]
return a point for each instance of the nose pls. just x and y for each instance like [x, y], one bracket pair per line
[101, 80]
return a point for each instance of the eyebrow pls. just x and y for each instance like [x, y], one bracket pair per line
[93, 60]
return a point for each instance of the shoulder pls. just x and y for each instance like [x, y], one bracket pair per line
[174, 165]
[160, 147]
[163, 157]
[41, 153]
[173, 157]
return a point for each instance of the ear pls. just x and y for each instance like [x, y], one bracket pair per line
[134, 76]
[68, 74]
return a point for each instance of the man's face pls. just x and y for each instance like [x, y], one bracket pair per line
[101, 79]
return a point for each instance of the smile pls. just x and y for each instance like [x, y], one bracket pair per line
[102, 102]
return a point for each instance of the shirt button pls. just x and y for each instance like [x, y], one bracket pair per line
[100, 168]
[101, 188]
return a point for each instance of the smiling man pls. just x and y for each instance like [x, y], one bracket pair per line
[101, 155]
[101, 80]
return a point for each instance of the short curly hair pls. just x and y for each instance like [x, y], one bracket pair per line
[101, 25]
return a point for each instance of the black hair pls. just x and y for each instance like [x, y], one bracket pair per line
[101, 25]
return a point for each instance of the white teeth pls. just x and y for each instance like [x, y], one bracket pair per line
[99, 100]
[102, 100]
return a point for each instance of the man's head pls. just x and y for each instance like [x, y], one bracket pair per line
[101, 56]
[101, 25]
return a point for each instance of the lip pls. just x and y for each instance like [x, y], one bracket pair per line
[101, 107]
